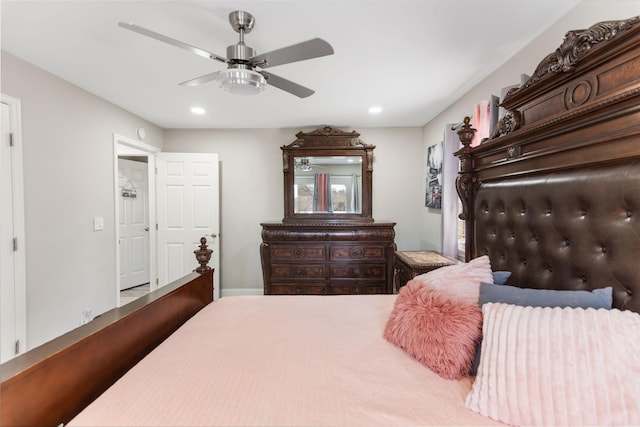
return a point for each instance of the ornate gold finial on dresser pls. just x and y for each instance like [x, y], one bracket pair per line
[328, 242]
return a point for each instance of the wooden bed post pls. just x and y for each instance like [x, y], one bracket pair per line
[466, 184]
[203, 255]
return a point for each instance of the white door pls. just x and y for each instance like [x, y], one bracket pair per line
[133, 224]
[130, 148]
[187, 198]
[12, 236]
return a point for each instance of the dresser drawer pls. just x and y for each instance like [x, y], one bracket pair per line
[298, 271]
[358, 252]
[298, 288]
[297, 252]
[357, 288]
[358, 271]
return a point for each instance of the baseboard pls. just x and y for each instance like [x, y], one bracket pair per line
[239, 292]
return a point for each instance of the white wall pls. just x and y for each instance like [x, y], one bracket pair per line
[68, 180]
[583, 16]
[252, 191]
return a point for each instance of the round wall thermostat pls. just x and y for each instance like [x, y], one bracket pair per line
[141, 133]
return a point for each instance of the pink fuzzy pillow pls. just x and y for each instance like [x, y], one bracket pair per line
[459, 281]
[438, 332]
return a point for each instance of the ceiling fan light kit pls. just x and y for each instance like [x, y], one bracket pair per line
[237, 81]
[245, 73]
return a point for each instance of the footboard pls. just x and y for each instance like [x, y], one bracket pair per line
[52, 383]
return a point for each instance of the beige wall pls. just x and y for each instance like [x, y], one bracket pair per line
[68, 164]
[68, 161]
[251, 190]
[584, 15]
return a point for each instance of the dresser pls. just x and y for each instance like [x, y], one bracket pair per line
[409, 264]
[328, 242]
[326, 258]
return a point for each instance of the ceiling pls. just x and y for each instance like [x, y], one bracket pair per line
[411, 58]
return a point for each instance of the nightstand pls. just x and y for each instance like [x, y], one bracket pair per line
[409, 264]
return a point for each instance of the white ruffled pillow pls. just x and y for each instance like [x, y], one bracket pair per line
[460, 282]
[558, 366]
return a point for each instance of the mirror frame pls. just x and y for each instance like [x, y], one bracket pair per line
[327, 142]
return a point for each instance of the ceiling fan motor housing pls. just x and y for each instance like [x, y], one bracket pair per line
[240, 53]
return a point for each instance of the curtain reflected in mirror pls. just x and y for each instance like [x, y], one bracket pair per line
[331, 184]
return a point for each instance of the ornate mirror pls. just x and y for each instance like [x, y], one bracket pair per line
[327, 176]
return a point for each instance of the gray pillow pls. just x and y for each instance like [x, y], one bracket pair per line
[598, 298]
[500, 277]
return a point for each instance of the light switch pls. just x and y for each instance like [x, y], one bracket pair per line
[98, 223]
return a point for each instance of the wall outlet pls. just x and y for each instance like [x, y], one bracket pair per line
[85, 316]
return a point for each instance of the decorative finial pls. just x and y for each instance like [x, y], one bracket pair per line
[466, 132]
[203, 255]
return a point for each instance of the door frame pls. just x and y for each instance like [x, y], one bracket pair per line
[142, 149]
[20, 269]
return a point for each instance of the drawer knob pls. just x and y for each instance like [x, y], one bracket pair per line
[298, 252]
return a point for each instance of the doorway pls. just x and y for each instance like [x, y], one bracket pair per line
[133, 221]
[13, 290]
[183, 206]
[134, 166]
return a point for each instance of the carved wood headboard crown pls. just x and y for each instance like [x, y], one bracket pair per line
[581, 50]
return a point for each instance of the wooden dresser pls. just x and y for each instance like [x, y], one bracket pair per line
[328, 242]
[327, 258]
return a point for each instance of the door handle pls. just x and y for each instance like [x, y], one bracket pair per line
[146, 229]
[213, 235]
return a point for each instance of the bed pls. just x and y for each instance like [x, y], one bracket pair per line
[551, 204]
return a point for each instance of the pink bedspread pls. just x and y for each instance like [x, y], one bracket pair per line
[283, 361]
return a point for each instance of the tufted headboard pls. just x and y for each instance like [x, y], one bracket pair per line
[554, 195]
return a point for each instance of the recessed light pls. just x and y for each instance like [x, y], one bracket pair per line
[375, 109]
[198, 110]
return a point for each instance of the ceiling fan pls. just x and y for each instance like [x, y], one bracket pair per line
[305, 164]
[245, 73]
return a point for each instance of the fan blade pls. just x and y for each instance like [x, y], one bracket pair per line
[287, 85]
[202, 79]
[173, 42]
[310, 49]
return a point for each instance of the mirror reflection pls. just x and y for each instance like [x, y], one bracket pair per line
[327, 184]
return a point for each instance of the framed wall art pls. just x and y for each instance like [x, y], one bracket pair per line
[433, 196]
